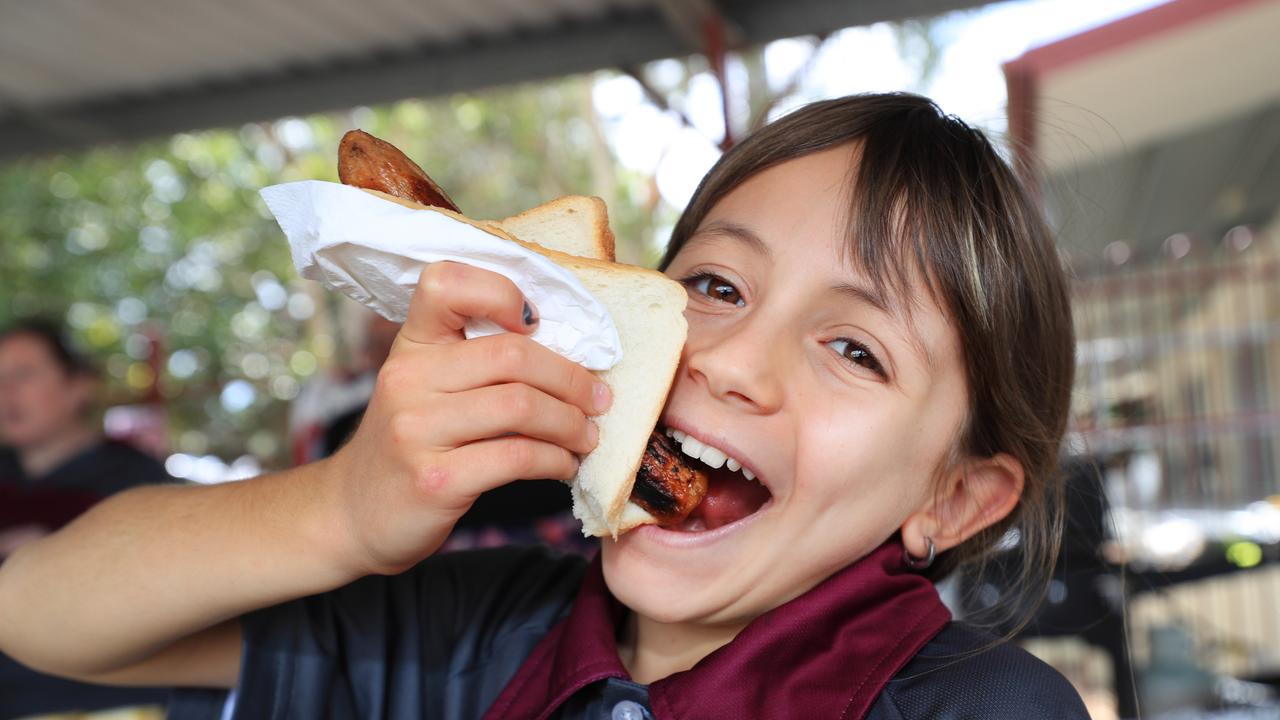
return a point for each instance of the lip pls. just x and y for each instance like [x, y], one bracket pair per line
[722, 443]
[690, 540]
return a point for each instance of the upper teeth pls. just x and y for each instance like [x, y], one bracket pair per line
[714, 457]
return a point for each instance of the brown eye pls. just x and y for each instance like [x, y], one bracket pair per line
[716, 288]
[856, 353]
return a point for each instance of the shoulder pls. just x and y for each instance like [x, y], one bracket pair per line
[966, 673]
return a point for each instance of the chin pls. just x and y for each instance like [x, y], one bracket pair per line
[673, 585]
[648, 586]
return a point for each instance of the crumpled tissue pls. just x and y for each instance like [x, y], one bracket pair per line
[373, 250]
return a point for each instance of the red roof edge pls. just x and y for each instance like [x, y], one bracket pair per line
[1022, 75]
[1122, 32]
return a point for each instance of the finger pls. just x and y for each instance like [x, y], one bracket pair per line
[449, 293]
[508, 358]
[488, 464]
[514, 408]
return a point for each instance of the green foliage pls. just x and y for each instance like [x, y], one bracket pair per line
[170, 238]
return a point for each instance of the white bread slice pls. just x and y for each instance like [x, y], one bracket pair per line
[573, 224]
[648, 309]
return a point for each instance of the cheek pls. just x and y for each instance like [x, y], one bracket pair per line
[704, 329]
[46, 401]
[872, 462]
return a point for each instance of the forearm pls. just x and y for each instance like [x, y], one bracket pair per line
[156, 564]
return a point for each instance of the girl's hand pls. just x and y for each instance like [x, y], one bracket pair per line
[451, 418]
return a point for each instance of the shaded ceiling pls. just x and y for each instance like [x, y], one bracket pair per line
[1163, 123]
[75, 73]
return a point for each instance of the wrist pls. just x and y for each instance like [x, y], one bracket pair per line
[330, 529]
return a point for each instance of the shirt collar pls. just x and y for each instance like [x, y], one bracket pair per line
[825, 654]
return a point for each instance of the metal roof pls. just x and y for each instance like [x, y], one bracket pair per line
[80, 72]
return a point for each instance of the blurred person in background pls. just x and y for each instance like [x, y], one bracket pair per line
[54, 465]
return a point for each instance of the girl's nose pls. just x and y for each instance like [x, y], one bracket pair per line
[740, 366]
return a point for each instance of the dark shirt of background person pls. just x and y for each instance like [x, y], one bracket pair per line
[54, 465]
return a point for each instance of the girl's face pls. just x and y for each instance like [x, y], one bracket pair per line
[841, 407]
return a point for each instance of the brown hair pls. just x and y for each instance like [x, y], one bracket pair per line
[54, 338]
[931, 198]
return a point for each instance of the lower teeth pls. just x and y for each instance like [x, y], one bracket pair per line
[693, 525]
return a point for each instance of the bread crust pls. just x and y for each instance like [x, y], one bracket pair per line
[493, 228]
[596, 213]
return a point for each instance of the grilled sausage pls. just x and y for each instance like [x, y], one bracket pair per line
[366, 162]
[666, 486]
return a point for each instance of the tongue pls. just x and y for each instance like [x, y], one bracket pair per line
[730, 497]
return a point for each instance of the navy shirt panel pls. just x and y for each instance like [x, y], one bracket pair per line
[967, 674]
[442, 640]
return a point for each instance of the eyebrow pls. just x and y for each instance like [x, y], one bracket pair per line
[733, 230]
[869, 296]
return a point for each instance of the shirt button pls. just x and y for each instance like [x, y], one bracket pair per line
[628, 710]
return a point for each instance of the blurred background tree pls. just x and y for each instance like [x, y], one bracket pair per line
[168, 242]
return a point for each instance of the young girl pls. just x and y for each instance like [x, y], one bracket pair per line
[879, 335]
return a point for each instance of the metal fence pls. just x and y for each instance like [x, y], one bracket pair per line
[1179, 372]
[1178, 400]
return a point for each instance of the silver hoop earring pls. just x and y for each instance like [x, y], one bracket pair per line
[920, 563]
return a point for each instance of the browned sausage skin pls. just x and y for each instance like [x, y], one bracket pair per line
[366, 162]
[666, 486]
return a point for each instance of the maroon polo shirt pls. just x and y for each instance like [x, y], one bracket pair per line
[825, 654]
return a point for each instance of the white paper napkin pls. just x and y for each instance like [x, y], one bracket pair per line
[373, 251]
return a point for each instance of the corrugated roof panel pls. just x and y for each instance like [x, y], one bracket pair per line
[39, 38]
[417, 21]
[62, 50]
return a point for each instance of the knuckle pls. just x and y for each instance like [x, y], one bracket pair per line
[438, 277]
[519, 402]
[391, 378]
[509, 353]
[402, 428]
[520, 457]
[430, 480]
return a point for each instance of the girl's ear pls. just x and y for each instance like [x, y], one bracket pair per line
[974, 496]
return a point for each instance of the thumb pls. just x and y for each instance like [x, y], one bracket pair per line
[449, 293]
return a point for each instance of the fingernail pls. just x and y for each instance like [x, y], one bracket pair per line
[529, 317]
[602, 397]
[593, 434]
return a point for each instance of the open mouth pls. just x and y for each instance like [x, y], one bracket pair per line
[733, 490]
